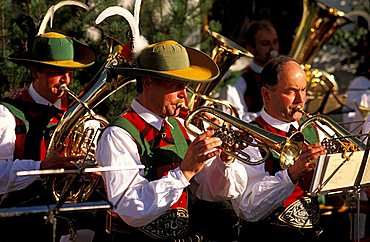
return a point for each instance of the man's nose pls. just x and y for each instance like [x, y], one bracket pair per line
[300, 97]
[66, 78]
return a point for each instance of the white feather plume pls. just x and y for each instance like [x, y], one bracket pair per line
[116, 10]
[137, 12]
[138, 41]
[53, 8]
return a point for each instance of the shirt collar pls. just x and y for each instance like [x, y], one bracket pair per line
[40, 100]
[256, 68]
[149, 117]
[276, 123]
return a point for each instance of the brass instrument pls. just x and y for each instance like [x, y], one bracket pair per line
[322, 91]
[319, 22]
[224, 54]
[79, 128]
[363, 110]
[211, 101]
[289, 148]
[341, 141]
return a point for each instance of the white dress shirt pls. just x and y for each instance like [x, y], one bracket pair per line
[264, 192]
[139, 201]
[9, 181]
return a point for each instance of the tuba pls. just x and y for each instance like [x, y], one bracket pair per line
[80, 127]
[224, 54]
[289, 148]
[319, 22]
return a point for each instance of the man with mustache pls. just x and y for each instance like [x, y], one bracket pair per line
[152, 204]
[28, 118]
[275, 199]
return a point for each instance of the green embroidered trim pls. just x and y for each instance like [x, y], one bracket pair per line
[178, 138]
[310, 133]
[18, 113]
[129, 127]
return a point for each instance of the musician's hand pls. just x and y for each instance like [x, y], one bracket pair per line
[199, 151]
[227, 158]
[306, 162]
[54, 160]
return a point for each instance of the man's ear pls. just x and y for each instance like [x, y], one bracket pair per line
[34, 72]
[146, 81]
[265, 94]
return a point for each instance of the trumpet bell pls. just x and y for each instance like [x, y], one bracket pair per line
[291, 150]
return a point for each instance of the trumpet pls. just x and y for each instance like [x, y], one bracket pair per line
[339, 141]
[208, 101]
[238, 133]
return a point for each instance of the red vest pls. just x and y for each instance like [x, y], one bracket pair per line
[272, 165]
[252, 95]
[161, 160]
[41, 120]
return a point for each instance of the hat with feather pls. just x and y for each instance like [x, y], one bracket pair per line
[55, 49]
[167, 59]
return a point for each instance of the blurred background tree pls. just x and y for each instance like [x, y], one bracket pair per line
[181, 20]
[159, 20]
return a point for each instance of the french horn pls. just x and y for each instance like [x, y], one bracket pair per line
[80, 127]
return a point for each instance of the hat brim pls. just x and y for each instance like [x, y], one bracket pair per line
[83, 57]
[202, 69]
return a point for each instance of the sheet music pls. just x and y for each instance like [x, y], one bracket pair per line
[334, 174]
[365, 181]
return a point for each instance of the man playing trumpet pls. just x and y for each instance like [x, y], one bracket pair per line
[152, 204]
[272, 190]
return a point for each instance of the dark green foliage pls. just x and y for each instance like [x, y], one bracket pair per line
[159, 20]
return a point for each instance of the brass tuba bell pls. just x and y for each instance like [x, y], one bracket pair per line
[224, 54]
[318, 23]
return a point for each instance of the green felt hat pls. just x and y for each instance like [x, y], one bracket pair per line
[170, 60]
[55, 49]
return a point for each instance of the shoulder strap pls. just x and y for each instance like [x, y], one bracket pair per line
[129, 127]
[178, 137]
[17, 113]
[310, 132]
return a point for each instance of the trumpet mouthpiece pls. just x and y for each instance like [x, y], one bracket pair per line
[299, 109]
[182, 107]
[63, 87]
